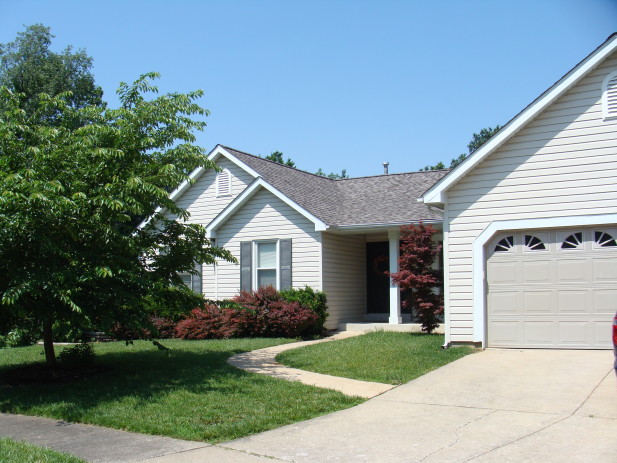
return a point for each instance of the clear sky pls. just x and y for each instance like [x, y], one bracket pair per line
[333, 83]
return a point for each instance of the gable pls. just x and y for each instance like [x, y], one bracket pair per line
[202, 200]
[554, 99]
[563, 159]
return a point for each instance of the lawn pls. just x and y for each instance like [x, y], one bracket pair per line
[380, 356]
[21, 452]
[189, 393]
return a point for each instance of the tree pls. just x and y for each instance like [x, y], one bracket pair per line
[332, 175]
[477, 140]
[28, 66]
[277, 156]
[68, 246]
[416, 277]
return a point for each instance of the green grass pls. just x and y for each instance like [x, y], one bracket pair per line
[381, 356]
[20, 452]
[190, 393]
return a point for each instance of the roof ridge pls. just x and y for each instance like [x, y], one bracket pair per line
[275, 163]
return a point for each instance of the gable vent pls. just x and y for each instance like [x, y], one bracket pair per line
[223, 183]
[609, 96]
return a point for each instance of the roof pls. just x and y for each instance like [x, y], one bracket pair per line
[437, 193]
[339, 203]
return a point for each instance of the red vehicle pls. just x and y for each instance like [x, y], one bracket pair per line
[615, 340]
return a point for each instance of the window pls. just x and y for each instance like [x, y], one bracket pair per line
[266, 268]
[604, 240]
[574, 241]
[505, 245]
[223, 183]
[187, 279]
[609, 96]
[264, 263]
[533, 243]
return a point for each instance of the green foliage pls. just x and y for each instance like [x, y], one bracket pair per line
[78, 356]
[277, 157]
[29, 67]
[20, 337]
[22, 452]
[332, 175]
[69, 199]
[477, 140]
[314, 300]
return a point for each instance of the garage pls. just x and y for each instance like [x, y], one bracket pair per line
[552, 288]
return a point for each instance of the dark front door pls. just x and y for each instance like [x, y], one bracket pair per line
[377, 280]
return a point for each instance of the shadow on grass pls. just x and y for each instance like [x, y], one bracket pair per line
[140, 376]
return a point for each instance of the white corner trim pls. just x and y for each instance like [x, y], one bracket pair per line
[219, 150]
[479, 255]
[436, 194]
[247, 194]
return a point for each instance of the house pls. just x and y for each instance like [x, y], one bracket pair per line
[530, 220]
[290, 228]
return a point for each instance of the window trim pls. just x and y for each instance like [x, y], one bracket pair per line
[256, 268]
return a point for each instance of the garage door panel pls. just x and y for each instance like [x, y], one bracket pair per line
[572, 302]
[504, 273]
[605, 301]
[505, 333]
[605, 270]
[540, 333]
[561, 296]
[538, 302]
[575, 334]
[572, 270]
[537, 272]
[506, 303]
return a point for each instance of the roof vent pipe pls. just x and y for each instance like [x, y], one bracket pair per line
[385, 167]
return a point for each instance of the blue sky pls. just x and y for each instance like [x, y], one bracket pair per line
[334, 84]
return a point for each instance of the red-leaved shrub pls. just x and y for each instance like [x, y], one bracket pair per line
[164, 327]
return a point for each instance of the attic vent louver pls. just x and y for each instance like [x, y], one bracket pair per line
[223, 183]
[609, 96]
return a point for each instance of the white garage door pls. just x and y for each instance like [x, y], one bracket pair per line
[552, 289]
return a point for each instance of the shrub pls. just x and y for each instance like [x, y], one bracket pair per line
[21, 337]
[63, 331]
[203, 323]
[125, 333]
[274, 316]
[311, 299]
[2, 341]
[164, 327]
[81, 355]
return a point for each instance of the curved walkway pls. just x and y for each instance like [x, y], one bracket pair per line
[263, 361]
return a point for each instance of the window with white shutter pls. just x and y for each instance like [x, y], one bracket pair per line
[609, 96]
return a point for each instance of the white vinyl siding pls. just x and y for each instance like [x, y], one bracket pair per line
[265, 217]
[344, 277]
[563, 163]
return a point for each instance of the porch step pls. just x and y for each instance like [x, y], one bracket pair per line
[403, 327]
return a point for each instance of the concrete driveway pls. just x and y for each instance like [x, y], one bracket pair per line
[496, 405]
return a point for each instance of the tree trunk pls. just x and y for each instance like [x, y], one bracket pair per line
[48, 343]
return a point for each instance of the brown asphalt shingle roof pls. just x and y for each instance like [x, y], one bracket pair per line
[374, 200]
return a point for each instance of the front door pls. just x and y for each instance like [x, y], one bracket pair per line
[377, 279]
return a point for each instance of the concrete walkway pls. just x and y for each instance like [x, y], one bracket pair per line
[263, 361]
[494, 406]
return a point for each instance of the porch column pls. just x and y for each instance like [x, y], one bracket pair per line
[395, 294]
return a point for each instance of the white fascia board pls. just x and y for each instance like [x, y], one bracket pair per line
[378, 227]
[436, 194]
[220, 150]
[247, 194]
[479, 255]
